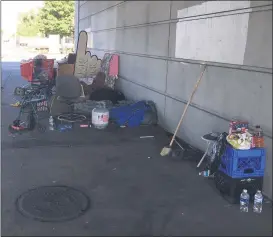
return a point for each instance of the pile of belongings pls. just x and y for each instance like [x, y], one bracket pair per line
[99, 88]
[241, 141]
[139, 113]
[125, 113]
[39, 74]
[239, 137]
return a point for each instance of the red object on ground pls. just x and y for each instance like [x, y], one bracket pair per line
[17, 127]
[27, 69]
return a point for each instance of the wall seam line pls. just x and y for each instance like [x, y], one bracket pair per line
[249, 68]
[175, 20]
[167, 62]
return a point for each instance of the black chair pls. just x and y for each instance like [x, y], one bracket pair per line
[69, 91]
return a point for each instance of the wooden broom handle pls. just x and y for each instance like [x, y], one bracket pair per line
[186, 107]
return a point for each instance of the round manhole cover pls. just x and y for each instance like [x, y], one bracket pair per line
[53, 203]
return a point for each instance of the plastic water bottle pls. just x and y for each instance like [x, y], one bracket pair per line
[258, 137]
[51, 123]
[205, 173]
[258, 202]
[244, 201]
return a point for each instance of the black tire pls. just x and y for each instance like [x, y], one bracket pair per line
[72, 118]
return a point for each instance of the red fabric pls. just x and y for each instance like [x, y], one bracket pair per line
[113, 65]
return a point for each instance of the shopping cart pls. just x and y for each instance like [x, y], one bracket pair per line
[28, 117]
[39, 74]
[37, 70]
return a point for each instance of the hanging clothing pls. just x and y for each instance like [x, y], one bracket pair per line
[109, 65]
[217, 152]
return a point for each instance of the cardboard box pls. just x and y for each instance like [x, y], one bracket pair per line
[65, 69]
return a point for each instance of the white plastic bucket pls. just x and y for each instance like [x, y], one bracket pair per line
[100, 118]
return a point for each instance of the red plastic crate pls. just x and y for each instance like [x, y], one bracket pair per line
[27, 69]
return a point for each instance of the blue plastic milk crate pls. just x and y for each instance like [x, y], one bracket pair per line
[243, 163]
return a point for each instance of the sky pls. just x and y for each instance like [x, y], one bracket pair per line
[10, 11]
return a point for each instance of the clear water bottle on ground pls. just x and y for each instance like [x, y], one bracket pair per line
[258, 202]
[51, 123]
[244, 201]
[205, 173]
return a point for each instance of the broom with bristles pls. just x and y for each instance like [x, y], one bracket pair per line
[167, 150]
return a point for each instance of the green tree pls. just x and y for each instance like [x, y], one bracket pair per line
[28, 24]
[57, 17]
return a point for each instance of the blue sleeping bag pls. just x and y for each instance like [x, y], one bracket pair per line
[130, 115]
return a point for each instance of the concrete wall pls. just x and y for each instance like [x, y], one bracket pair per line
[161, 45]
